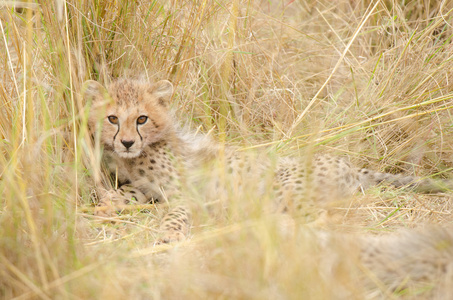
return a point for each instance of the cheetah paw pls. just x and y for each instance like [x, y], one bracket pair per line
[170, 237]
[109, 203]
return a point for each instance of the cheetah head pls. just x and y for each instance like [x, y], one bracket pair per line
[129, 115]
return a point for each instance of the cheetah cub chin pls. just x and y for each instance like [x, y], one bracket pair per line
[152, 159]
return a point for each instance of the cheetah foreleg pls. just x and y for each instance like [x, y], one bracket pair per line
[175, 225]
[113, 201]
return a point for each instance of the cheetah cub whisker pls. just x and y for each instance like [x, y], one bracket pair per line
[154, 160]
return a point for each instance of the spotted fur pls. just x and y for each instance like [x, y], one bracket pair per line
[153, 159]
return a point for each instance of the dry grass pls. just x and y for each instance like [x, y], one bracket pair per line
[369, 79]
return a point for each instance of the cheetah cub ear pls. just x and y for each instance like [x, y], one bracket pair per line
[94, 91]
[162, 90]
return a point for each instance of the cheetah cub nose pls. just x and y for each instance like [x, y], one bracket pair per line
[127, 144]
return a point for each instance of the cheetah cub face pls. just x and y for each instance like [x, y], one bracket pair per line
[130, 115]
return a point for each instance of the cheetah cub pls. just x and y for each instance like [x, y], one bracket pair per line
[152, 159]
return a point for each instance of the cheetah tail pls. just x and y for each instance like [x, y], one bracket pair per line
[370, 178]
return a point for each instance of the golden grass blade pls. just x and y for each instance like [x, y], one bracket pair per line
[340, 60]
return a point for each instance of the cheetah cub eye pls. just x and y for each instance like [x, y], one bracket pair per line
[113, 119]
[142, 120]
